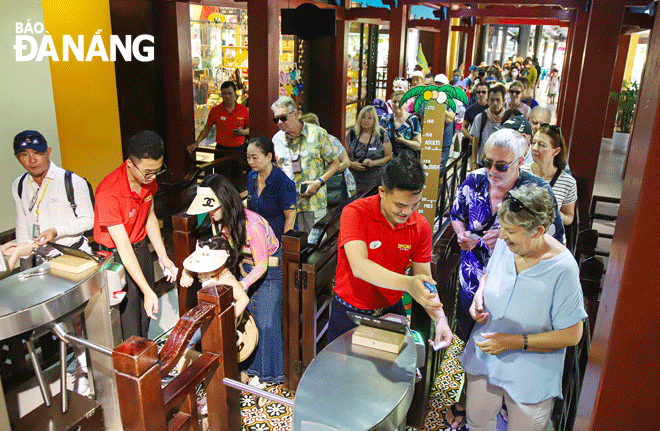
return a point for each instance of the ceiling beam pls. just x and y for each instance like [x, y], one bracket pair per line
[534, 12]
[372, 15]
[566, 4]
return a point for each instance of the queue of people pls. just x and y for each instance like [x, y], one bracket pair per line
[509, 218]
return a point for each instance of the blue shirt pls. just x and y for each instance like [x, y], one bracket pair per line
[278, 195]
[542, 298]
[472, 206]
[409, 129]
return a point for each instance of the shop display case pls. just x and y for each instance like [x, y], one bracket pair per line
[361, 77]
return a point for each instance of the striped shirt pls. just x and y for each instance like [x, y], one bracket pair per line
[565, 188]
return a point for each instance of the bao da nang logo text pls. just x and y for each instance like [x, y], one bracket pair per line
[28, 48]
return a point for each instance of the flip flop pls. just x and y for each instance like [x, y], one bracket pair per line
[457, 413]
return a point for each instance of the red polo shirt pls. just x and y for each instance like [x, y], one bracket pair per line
[391, 248]
[117, 203]
[226, 121]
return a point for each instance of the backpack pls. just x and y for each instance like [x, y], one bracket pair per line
[68, 185]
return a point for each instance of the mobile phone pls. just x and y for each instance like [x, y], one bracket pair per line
[303, 189]
[475, 236]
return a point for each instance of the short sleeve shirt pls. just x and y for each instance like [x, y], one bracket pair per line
[225, 122]
[278, 195]
[391, 248]
[489, 129]
[315, 151]
[409, 129]
[473, 110]
[542, 298]
[565, 188]
[116, 203]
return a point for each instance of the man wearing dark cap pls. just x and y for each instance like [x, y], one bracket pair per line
[43, 209]
[124, 218]
[522, 125]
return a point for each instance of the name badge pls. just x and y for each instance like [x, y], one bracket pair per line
[35, 230]
[375, 244]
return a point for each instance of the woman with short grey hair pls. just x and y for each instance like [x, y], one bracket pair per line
[475, 220]
[528, 309]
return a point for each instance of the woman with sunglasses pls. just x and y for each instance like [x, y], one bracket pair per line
[549, 154]
[474, 219]
[515, 98]
[368, 148]
[528, 309]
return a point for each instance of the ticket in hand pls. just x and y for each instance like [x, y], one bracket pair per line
[167, 272]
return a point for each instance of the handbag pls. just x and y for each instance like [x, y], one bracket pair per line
[336, 189]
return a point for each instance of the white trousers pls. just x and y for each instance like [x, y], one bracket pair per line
[484, 401]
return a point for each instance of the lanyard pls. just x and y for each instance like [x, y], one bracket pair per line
[34, 198]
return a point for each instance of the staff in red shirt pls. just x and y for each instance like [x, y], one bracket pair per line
[123, 219]
[231, 121]
[379, 236]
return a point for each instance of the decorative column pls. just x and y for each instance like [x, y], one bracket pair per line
[523, 40]
[602, 42]
[617, 82]
[398, 29]
[622, 345]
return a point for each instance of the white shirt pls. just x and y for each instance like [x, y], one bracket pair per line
[54, 207]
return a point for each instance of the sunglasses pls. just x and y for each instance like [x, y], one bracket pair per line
[480, 92]
[552, 127]
[516, 206]
[499, 166]
[514, 91]
[281, 118]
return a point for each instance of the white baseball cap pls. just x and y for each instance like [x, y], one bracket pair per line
[204, 202]
[441, 78]
[417, 73]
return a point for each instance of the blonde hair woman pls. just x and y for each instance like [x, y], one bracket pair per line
[369, 148]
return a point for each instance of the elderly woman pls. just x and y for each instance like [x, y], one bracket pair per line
[368, 148]
[549, 154]
[403, 129]
[475, 221]
[528, 308]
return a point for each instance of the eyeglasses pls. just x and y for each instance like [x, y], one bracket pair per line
[480, 92]
[552, 127]
[516, 205]
[148, 175]
[516, 92]
[281, 118]
[499, 166]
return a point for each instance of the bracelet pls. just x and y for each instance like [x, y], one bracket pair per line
[322, 182]
[525, 342]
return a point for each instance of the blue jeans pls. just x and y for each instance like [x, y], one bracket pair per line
[340, 322]
[267, 361]
[447, 139]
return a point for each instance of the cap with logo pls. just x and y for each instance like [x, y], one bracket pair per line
[30, 140]
[204, 201]
[519, 123]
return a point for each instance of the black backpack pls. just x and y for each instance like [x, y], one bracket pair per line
[68, 185]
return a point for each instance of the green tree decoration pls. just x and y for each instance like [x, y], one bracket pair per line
[440, 93]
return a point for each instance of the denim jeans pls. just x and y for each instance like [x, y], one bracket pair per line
[267, 361]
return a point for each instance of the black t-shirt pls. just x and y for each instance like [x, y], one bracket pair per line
[473, 110]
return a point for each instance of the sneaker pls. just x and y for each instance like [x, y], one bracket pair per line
[82, 385]
[202, 407]
[168, 378]
[256, 383]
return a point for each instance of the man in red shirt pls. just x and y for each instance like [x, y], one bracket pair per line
[231, 121]
[123, 219]
[379, 236]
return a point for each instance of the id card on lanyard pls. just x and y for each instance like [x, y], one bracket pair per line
[36, 231]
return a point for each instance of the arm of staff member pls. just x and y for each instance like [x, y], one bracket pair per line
[125, 249]
[371, 272]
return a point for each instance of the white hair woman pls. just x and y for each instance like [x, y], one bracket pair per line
[528, 309]
[369, 148]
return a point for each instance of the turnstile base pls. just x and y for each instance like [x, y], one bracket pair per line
[84, 414]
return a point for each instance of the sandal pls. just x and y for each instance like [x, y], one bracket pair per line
[457, 414]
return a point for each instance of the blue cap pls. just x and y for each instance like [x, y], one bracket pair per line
[473, 68]
[30, 140]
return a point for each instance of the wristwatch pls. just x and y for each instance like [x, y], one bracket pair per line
[322, 182]
[525, 343]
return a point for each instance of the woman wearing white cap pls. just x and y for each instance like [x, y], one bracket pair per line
[251, 234]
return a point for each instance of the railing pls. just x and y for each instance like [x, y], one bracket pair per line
[451, 178]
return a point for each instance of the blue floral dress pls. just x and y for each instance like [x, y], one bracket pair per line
[472, 206]
[409, 129]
